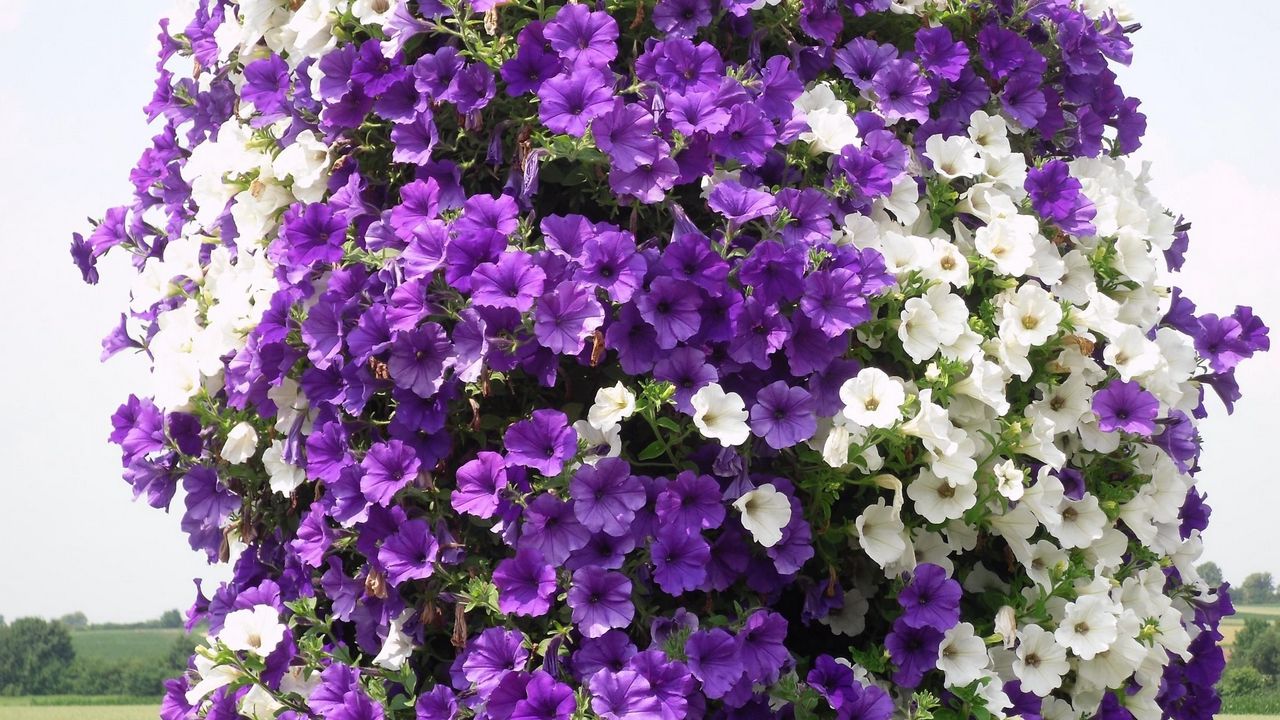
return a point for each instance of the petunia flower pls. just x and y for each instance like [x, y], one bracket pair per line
[765, 512]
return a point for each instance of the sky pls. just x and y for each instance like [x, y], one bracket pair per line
[71, 127]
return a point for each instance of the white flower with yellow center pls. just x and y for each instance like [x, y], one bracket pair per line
[612, 406]
[256, 630]
[720, 416]
[873, 399]
[765, 512]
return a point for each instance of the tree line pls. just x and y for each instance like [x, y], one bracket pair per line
[37, 657]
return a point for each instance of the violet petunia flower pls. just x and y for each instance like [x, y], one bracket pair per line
[410, 553]
[606, 496]
[544, 442]
[783, 415]
[1126, 406]
[931, 599]
[600, 600]
[525, 583]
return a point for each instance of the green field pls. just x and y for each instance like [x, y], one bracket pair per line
[80, 712]
[70, 707]
[113, 645]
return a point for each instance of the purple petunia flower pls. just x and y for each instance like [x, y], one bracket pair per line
[760, 645]
[479, 484]
[545, 698]
[714, 659]
[913, 650]
[747, 137]
[624, 695]
[783, 415]
[491, 655]
[582, 36]
[600, 600]
[415, 140]
[312, 234]
[682, 17]
[565, 317]
[512, 282]
[569, 101]
[931, 599]
[939, 53]
[543, 442]
[1126, 406]
[525, 583]
[1057, 196]
[551, 528]
[606, 496]
[671, 308]
[611, 262]
[419, 359]
[679, 559]
[691, 502]
[740, 204]
[901, 92]
[388, 467]
[410, 553]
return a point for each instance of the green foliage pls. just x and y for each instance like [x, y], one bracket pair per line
[75, 620]
[1258, 588]
[35, 656]
[42, 658]
[1243, 680]
[1266, 702]
[1263, 653]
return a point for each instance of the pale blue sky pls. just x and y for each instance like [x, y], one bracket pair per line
[71, 127]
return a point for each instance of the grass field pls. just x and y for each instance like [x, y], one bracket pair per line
[80, 712]
[112, 645]
[70, 707]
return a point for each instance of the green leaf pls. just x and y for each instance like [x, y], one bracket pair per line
[652, 452]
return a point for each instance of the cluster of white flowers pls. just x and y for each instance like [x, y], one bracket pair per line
[1113, 629]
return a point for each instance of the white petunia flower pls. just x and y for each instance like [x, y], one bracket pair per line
[1082, 522]
[851, 618]
[599, 444]
[241, 444]
[1131, 353]
[720, 416]
[946, 264]
[1040, 662]
[962, 656]
[880, 531]
[873, 398]
[938, 500]
[933, 426]
[257, 630]
[211, 677]
[1006, 625]
[397, 647]
[285, 476]
[1008, 242]
[989, 132]
[612, 406]
[1031, 316]
[765, 512]
[306, 162]
[1089, 626]
[954, 157]
[259, 704]
[1010, 480]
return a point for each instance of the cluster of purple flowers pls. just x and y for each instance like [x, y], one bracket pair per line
[517, 354]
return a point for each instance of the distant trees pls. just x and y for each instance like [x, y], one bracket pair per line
[1258, 588]
[75, 620]
[35, 656]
